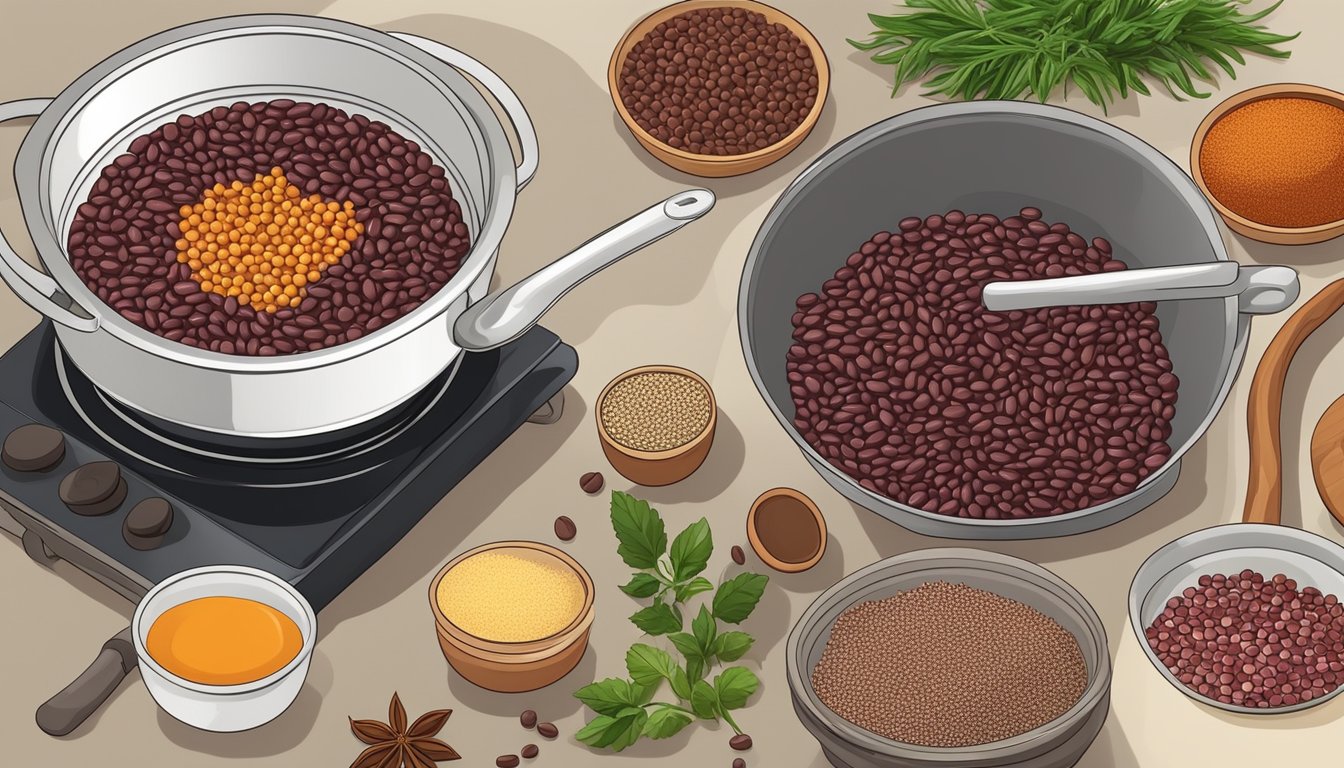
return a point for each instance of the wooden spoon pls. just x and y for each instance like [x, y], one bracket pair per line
[1264, 494]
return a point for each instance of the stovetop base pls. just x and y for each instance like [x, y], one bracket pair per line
[318, 524]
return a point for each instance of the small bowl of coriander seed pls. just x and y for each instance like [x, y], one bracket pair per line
[656, 423]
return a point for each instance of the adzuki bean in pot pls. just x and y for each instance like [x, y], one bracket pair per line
[124, 241]
[719, 81]
[902, 379]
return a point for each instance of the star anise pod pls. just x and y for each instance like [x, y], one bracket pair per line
[393, 745]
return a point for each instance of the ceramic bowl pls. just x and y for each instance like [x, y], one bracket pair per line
[762, 551]
[514, 667]
[718, 165]
[1059, 743]
[1236, 221]
[224, 707]
[655, 468]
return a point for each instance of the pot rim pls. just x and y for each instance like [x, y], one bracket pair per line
[994, 752]
[1233, 355]
[35, 151]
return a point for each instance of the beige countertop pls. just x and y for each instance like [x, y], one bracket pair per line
[672, 303]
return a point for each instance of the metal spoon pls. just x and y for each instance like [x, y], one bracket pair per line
[1260, 290]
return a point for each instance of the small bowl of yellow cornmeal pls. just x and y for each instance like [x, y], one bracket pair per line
[514, 615]
[224, 648]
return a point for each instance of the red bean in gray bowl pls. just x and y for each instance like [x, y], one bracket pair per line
[902, 380]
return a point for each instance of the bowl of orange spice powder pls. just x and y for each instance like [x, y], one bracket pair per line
[1271, 161]
[512, 616]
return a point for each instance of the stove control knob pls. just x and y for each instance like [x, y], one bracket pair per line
[147, 523]
[34, 448]
[93, 489]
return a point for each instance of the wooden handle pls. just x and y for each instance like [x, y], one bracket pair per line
[1264, 494]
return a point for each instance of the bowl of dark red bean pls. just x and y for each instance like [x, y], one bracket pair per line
[719, 87]
[222, 242]
[863, 322]
[1245, 617]
[945, 657]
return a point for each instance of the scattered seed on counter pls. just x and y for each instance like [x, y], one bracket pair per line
[1254, 642]
[719, 81]
[530, 751]
[507, 761]
[591, 482]
[739, 556]
[901, 378]
[741, 742]
[926, 666]
[656, 411]
[565, 529]
[548, 730]
[528, 719]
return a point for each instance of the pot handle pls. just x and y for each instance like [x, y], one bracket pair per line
[1259, 290]
[36, 288]
[512, 105]
[504, 316]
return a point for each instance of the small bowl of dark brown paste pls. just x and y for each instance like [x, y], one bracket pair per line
[786, 530]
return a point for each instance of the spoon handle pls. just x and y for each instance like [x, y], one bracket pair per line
[1260, 290]
[1264, 493]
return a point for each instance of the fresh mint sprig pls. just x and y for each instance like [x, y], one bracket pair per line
[625, 709]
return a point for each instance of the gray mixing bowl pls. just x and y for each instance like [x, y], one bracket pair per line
[1057, 744]
[996, 157]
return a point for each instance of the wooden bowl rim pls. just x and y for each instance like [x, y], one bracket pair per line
[1237, 101]
[552, 643]
[765, 554]
[670, 453]
[645, 25]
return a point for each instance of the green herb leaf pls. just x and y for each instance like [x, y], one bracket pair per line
[731, 646]
[691, 550]
[639, 529]
[734, 686]
[1007, 49]
[681, 683]
[705, 630]
[696, 669]
[692, 588]
[704, 700]
[642, 585]
[648, 665]
[666, 720]
[614, 731]
[607, 697]
[657, 619]
[686, 643]
[736, 598]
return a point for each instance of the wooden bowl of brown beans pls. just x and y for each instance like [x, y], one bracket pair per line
[719, 87]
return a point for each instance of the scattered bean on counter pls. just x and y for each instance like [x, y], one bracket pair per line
[528, 719]
[507, 761]
[565, 529]
[1253, 642]
[741, 742]
[591, 482]
[530, 751]
[548, 730]
[739, 763]
[904, 381]
[739, 556]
